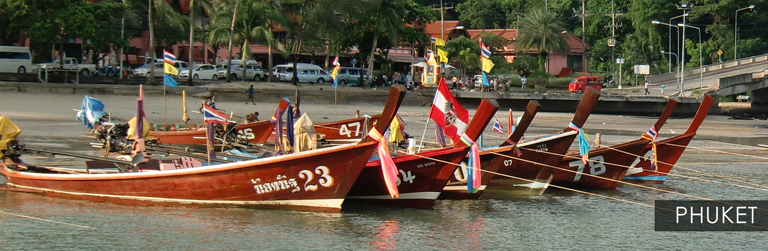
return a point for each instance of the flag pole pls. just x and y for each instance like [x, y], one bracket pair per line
[164, 85]
[424, 133]
[335, 105]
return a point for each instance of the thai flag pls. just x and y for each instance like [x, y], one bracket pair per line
[497, 126]
[485, 52]
[211, 115]
[448, 113]
[169, 57]
[652, 133]
[434, 40]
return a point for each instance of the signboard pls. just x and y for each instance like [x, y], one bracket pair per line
[619, 60]
[611, 42]
[719, 52]
[642, 69]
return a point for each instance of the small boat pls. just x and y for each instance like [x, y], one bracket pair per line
[255, 133]
[421, 179]
[342, 131]
[668, 151]
[532, 178]
[608, 162]
[316, 180]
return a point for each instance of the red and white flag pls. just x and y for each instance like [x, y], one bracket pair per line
[448, 113]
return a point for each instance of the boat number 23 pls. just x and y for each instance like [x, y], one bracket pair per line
[596, 167]
[345, 129]
[324, 178]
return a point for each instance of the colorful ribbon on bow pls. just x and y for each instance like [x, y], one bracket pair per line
[388, 168]
[473, 177]
[651, 135]
[583, 143]
[515, 148]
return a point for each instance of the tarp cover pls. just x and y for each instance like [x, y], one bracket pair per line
[91, 110]
[8, 132]
[304, 129]
[132, 125]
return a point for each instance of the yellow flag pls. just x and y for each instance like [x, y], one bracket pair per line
[439, 42]
[487, 64]
[443, 55]
[169, 69]
[335, 72]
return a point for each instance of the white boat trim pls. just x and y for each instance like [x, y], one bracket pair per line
[319, 203]
[461, 188]
[545, 138]
[403, 196]
[534, 185]
[634, 170]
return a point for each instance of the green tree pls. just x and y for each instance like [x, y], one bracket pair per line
[464, 53]
[541, 32]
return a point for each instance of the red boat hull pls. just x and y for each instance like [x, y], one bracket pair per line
[256, 133]
[349, 130]
[421, 180]
[536, 176]
[668, 152]
[609, 162]
[317, 180]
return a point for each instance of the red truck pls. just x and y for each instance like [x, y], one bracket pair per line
[579, 84]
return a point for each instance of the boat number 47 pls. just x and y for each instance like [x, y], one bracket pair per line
[345, 129]
[324, 179]
[596, 167]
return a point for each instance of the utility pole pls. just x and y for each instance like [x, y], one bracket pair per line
[584, 38]
[612, 41]
[442, 9]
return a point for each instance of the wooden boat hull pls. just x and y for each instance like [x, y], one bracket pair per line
[536, 176]
[608, 162]
[317, 181]
[255, 133]
[668, 154]
[421, 180]
[342, 131]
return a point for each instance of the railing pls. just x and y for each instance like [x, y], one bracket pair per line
[672, 76]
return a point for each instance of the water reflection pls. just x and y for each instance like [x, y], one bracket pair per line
[385, 239]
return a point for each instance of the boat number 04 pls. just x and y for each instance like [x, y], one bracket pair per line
[246, 133]
[344, 130]
[324, 180]
[647, 157]
[596, 167]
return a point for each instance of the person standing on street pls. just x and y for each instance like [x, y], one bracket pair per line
[523, 81]
[646, 88]
[662, 89]
[250, 95]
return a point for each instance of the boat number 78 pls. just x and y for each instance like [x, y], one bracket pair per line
[344, 130]
[596, 167]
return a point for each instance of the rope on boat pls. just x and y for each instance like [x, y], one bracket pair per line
[41, 219]
[718, 151]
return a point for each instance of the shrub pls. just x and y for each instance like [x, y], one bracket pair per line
[726, 99]
[559, 83]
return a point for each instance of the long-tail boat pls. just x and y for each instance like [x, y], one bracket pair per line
[256, 133]
[421, 177]
[316, 180]
[535, 177]
[611, 163]
[668, 151]
[342, 131]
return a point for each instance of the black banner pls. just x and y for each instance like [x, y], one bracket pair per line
[699, 215]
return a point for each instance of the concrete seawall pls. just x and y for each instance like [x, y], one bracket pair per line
[556, 101]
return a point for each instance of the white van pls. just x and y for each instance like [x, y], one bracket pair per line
[306, 73]
[15, 59]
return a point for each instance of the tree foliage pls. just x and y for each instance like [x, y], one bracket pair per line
[542, 32]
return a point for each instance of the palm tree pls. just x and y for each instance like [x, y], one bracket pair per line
[464, 52]
[190, 65]
[166, 14]
[387, 20]
[541, 31]
[250, 24]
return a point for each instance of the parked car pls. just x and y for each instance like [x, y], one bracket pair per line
[202, 71]
[349, 76]
[70, 64]
[252, 72]
[143, 71]
[580, 84]
[306, 73]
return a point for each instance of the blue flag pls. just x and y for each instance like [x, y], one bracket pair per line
[335, 82]
[91, 110]
[485, 80]
[169, 81]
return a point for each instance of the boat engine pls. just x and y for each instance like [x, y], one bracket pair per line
[114, 136]
[230, 135]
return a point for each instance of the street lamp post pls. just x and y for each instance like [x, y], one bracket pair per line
[677, 36]
[701, 67]
[670, 25]
[673, 54]
[685, 7]
[736, 28]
